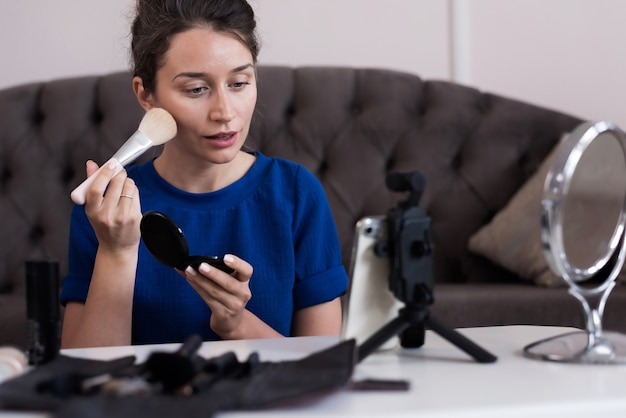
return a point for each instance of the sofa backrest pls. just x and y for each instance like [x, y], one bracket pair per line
[350, 127]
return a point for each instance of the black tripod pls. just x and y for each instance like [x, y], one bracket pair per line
[408, 249]
[411, 323]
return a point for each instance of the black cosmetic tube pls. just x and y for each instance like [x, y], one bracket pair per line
[43, 311]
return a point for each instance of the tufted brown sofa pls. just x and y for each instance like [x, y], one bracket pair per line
[350, 127]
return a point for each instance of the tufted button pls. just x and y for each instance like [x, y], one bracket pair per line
[290, 111]
[38, 117]
[456, 162]
[322, 169]
[5, 176]
[36, 233]
[97, 117]
[67, 174]
[523, 160]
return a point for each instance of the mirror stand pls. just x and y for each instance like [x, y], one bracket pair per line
[590, 346]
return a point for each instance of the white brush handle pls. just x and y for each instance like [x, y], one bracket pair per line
[78, 194]
[132, 149]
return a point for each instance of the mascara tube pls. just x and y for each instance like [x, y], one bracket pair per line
[43, 311]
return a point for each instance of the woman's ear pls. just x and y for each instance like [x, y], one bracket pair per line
[145, 98]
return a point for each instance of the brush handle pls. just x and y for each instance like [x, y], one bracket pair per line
[78, 194]
[132, 149]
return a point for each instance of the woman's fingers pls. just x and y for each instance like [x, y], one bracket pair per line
[91, 167]
[104, 179]
[243, 269]
[230, 290]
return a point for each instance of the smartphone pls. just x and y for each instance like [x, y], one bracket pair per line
[369, 303]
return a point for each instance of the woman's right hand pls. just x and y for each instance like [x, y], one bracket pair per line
[116, 214]
[105, 318]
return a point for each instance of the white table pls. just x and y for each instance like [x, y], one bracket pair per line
[445, 382]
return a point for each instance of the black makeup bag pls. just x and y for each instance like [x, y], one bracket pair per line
[177, 384]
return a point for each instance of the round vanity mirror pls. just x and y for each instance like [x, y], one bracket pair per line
[582, 234]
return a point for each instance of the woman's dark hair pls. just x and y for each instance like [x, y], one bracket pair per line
[158, 21]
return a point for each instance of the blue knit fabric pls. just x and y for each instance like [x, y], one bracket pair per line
[276, 217]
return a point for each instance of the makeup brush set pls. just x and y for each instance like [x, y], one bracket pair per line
[178, 383]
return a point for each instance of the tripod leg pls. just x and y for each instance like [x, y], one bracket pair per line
[478, 353]
[381, 336]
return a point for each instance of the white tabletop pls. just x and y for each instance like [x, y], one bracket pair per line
[445, 382]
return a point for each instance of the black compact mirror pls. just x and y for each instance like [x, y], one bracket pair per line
[166, 242]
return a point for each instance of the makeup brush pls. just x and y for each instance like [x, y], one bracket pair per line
[156, 128]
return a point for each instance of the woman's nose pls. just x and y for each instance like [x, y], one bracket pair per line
[221, 108]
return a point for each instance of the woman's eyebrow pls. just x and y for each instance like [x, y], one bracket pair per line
[202, 74]
[190, 74]
[242, 68]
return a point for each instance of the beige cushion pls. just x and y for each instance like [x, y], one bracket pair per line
[512, 239]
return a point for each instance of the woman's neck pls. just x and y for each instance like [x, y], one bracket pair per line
[201, 176]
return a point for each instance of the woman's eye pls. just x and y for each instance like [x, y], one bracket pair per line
[240, 84]
[195, 90]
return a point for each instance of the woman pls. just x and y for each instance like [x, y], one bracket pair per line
[196, 59]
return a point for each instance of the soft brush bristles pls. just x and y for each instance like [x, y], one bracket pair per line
[158, 125]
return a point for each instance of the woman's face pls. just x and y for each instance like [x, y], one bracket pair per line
[208, 84]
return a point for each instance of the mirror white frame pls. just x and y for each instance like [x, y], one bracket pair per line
[592, 345]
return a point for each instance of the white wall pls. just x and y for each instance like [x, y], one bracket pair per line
[42, 39]
[409, 35]
[564, 54]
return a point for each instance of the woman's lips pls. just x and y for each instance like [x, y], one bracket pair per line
[223, 139]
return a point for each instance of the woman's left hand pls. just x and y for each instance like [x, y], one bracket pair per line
[226, 294]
